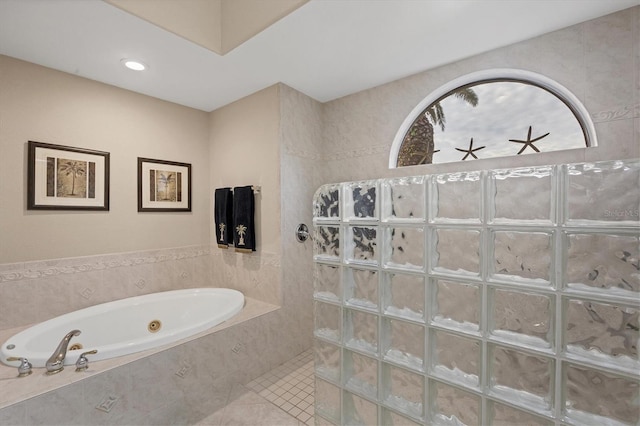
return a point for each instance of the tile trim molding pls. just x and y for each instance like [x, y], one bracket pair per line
[625, 112]
[250, 260]
[356, 153]
[49, 268]
[308, 155]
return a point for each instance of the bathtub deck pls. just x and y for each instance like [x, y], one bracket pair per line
[39, 383]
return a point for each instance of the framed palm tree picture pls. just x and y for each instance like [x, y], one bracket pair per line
[163, 186]
[66, 178]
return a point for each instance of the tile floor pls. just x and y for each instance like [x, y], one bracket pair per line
[282, 397]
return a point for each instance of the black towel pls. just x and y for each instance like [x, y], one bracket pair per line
[224, 217]
[243, 222]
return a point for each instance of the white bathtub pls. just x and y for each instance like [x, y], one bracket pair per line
[126, 326]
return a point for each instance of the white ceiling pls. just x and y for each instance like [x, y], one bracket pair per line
[325, 49]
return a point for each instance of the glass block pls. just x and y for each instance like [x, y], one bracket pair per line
[455, 358]
[327, 400]
[359, 411]
[594, 334]
[522, 318]
[326, 242]
[361, 374]
[326, 202]
[361, 331]
[403, 390]
[326, 282]
[456, 305]
[361, 245]
[456, 197]
[361, 288]
[505, 415]
[510, 187]
[456, 251]
[403, 343]
[596, 397]
[403, 199]
[603, 263]
[521, 378]
[391, 418]
[404, 248]
[603, 332]
[603, 192]
[404, 296]
[522, 256]
[453, 406]
[327, 321]
[327, 360]
[360, 201]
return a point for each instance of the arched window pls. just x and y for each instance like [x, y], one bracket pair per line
[493, 113]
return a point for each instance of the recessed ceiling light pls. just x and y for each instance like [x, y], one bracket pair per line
[133, 64]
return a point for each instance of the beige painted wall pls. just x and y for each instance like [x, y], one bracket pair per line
[242, 19]
[245, 150]
[196, 20]
[218, 25]
[40, 104]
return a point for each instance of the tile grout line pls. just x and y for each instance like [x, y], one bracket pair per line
[285, 387]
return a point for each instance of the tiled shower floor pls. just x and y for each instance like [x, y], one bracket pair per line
[290, 387]
[282, 397]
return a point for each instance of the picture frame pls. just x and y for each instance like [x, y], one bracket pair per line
[66, 178]
[163, 186]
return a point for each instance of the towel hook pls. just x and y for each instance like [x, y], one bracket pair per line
[302, 233]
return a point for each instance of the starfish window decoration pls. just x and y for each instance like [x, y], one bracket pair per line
[469, 152]
[423, 159]
[529, 141]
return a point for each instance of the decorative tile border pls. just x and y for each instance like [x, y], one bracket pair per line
[626, 112]
[356, 153]
[302, 153]
[50, 268]
[251, 260]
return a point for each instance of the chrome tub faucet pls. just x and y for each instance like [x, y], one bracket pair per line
[55, 363]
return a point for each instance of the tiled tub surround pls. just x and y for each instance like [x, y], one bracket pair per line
[32, 292]
[180, 383]
[196, 374]
[495, 297]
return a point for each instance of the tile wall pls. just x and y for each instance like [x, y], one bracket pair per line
[31, 292]
[494, 297]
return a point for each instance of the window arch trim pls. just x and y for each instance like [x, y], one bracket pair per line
[498, 74]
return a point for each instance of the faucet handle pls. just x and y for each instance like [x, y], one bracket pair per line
[83, 363]
[25, 366]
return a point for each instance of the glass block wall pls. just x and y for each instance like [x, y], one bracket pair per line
[497, 297]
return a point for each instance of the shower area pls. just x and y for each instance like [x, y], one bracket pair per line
[497, 297]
